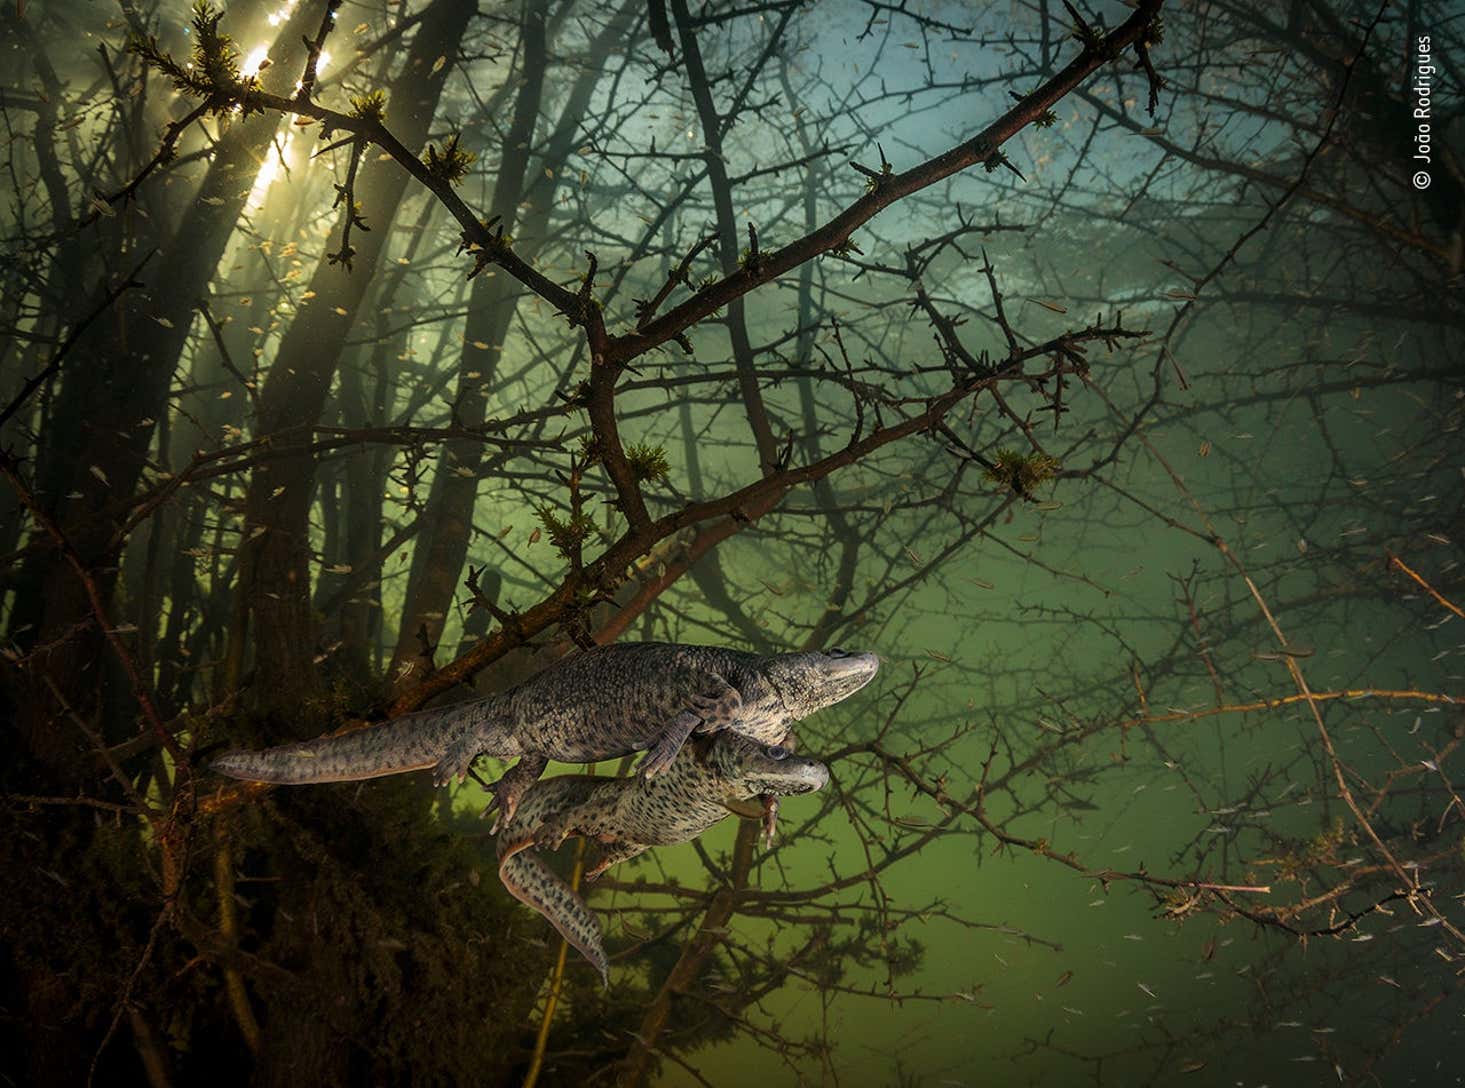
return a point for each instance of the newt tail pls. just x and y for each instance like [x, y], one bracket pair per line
[410, 743]
[532, 882]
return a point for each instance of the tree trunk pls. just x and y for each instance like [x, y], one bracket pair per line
[442, 548]
[353, 593]
[276, 551]
[113, 388]
[728, 239]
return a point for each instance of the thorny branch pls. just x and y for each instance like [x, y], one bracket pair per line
[882, 531]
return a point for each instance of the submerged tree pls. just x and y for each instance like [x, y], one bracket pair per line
[419, 351]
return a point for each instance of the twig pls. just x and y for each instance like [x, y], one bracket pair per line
[313, 49]
[127, 284]
[140, 691]
[1394, 560]
[556, 980]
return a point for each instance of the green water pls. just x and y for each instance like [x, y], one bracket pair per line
[1134, 452]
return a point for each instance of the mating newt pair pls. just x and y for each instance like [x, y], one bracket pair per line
[602, 703]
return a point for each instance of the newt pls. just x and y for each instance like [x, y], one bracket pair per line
[713, 777]
[602, 703]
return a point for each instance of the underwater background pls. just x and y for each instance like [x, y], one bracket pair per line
[1097, 366]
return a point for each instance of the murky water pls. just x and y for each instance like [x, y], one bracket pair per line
[1125, 429]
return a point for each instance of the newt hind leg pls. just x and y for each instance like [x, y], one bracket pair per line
[509, 790]
[611, 854]
[455, 762]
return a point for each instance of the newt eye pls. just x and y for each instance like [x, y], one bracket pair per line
[777, 751]
[837, 652]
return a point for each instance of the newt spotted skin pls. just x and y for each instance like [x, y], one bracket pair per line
[601, 703]
[709, 779]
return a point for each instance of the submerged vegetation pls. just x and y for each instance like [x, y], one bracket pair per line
[359, 358]
[1021, 472]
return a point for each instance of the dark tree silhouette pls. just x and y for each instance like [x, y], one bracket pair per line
[1092, 363]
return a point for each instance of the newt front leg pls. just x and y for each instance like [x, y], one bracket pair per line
[707, 712]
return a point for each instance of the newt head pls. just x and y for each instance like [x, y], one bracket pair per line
[751, 769]
[810, 681]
